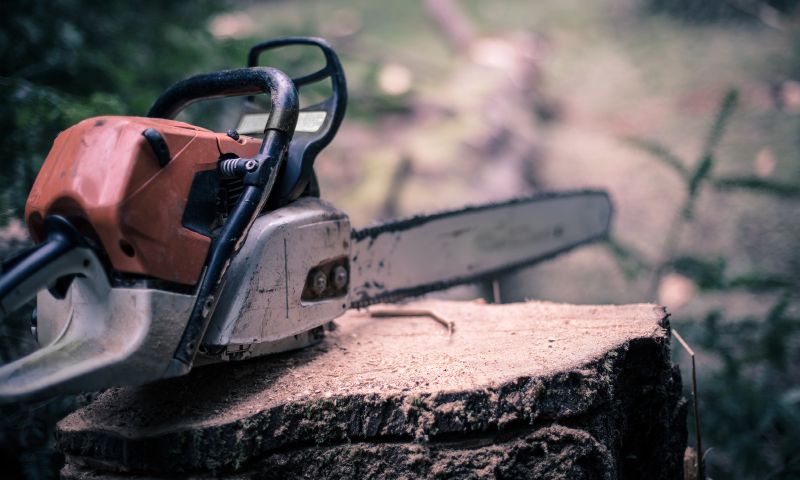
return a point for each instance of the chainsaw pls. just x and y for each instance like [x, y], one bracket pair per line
[160, 245]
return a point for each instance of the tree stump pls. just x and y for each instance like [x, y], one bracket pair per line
[527, 390]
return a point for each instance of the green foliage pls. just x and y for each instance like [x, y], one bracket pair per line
[630, 262]
[706, 274]
[711, 275]
[67, 60]
[660, 153]
[702, 173]
[749, 404]
[721, 121]
[703, 169]
[757, 185]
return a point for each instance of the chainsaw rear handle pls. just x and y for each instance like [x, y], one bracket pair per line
[306, 145]
[332, 68]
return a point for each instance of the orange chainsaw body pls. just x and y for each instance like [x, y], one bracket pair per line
[103, 175]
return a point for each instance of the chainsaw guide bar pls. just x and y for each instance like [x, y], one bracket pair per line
[426, 253]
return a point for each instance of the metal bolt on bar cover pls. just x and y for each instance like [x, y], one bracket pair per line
[319, 282]
[339, 277]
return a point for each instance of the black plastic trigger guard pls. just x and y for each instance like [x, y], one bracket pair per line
[298, 171]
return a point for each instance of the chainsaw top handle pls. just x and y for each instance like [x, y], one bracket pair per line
[258, 180]
[318, 123]
[280, 124]
[231, 83]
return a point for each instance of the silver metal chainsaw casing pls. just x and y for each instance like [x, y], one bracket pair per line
[97, 336]
[261, 308]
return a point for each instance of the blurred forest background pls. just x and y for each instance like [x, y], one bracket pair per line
[687, 111]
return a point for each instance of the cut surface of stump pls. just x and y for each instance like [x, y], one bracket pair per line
[534, 389]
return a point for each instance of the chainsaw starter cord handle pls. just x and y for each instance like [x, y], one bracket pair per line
[230, 83]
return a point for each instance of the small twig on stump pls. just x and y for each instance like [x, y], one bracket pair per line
[407, 312]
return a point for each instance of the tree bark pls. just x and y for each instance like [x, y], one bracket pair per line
[529, 390]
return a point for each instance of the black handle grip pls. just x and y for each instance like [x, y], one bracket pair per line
[229, 83]
[332, 68]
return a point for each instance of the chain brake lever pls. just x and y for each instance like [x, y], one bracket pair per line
[317, 124]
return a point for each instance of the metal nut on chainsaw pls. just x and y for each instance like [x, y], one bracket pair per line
[319, 282]
[340, 277]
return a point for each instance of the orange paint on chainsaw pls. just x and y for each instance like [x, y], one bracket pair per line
[103, 175]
